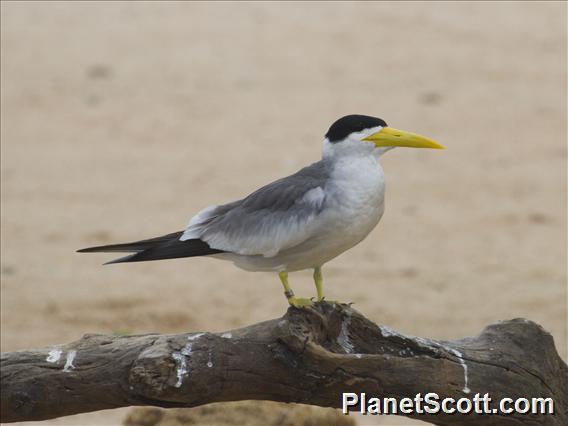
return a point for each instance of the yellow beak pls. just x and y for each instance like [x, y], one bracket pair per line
[393, 137]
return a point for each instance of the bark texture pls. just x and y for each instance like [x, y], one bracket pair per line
[308, 356]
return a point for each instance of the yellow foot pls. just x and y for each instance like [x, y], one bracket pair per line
[334, 302]
[300, 302]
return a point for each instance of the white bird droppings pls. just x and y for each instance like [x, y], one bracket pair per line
[54, 355]
[195, 336]
[388, 332]
[463, 364]
[182, 370]
[343, 338]
[69, 361]
[180, 357]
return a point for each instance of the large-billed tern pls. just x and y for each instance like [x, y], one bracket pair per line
[298, 222]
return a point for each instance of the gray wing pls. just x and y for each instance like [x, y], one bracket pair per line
[278, 216]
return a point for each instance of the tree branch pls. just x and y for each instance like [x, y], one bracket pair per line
[309, 356]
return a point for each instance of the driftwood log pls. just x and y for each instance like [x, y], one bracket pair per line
[309, 356]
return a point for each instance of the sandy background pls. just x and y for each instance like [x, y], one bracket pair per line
[121, 120]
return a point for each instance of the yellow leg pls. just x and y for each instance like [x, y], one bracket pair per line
[288, 292]
[318, 280]
[298, 302]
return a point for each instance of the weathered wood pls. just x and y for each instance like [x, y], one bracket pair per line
[309, 356]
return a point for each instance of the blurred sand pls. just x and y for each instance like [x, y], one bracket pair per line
[250, 413]
[121, 120]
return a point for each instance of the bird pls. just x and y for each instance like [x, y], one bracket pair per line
[298, 222]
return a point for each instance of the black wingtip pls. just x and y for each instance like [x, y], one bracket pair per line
[97, 249]
[120, 259]
[160, 248]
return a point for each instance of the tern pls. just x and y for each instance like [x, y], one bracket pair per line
[299, 222]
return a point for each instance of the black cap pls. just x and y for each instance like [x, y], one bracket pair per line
[352, 123]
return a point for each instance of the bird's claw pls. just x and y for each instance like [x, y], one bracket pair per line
[300, 302]
[334, 302]
[303, 302]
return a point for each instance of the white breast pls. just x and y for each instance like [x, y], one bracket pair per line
[355, 199]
